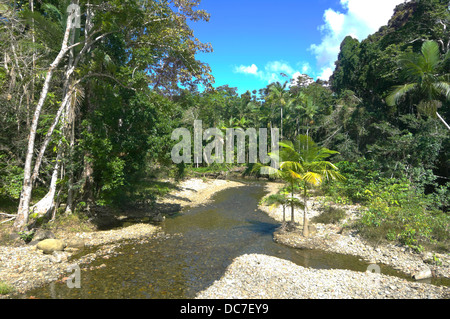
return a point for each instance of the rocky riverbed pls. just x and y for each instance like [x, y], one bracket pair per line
[196, 191]
[339, 239]
[264, 277]
[24, 267]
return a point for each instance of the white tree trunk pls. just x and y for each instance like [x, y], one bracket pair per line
[442, 120]
[46, 203]
[25, 197]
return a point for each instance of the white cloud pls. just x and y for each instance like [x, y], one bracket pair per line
[306, 68]
[360, 19]
[253, 69]
[272, 71]
[279, 67]
[326, 74]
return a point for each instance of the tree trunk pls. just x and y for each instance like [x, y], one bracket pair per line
[88, 169]
[27, 188]
[33, 81]
[292, 204]
[70, 122]
[47, 203]
[281, 123]
[442, 120]
[305, 219]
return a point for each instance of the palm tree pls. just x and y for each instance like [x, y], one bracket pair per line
[279, 96]
[303, 162]
[313, 168]
[424, 83]
[282, 198]
[277, 200]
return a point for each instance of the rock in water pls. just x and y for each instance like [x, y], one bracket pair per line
[159, 218]
[424, 274]
[48, 246]
[77, 243]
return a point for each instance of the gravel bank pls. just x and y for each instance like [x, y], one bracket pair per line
[264, 277]
[337, 239]
[24, 267]
[195, 191]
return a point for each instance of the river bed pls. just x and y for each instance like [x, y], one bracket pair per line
[200, 243]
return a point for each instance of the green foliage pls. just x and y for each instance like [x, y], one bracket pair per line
[330, 215]
[11, 178]
[378, 114]
[26, 236]
[394, 208]
[5, 288]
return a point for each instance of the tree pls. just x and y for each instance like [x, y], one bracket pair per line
[307, 160]
[282, 198]
[23, 210]
[303, 162]
[278, 199]
[126, 45]
[279, 97]
[345, 75]
[424, 83]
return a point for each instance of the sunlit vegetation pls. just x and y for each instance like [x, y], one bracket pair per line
[86, 114]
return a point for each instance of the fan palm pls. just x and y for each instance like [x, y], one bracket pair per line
[420, 70]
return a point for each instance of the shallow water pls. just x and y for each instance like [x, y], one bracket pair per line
[204, 242]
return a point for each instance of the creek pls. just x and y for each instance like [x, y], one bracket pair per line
[200, 243]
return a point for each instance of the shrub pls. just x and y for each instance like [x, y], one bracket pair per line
[329, 215]
[5, 288]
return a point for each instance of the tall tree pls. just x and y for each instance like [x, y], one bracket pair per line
[278, 95]
[303, 162]
[424, 83]
[130, 45]
[308, 162]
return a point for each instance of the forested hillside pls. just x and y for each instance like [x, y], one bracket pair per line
[87, 111]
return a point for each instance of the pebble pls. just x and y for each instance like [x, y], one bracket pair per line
[329, 239]
[258, 276]
[26, 267]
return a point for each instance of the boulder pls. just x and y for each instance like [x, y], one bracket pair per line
[48, 246]
[423, 274]
[77, 243]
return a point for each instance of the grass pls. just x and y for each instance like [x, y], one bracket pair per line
[330, 215]
[75, 223]
[5, 288]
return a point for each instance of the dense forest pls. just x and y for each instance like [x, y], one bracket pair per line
[88, 104]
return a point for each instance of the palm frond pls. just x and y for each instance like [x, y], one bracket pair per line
[443, 87]
[313, 178]
[412, 66]
[399, 92]
[269, 170]
[295, 202]
[292, 166]
[332, 175]
[430, 52]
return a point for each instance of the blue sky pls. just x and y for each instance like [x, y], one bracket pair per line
[256, 40]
